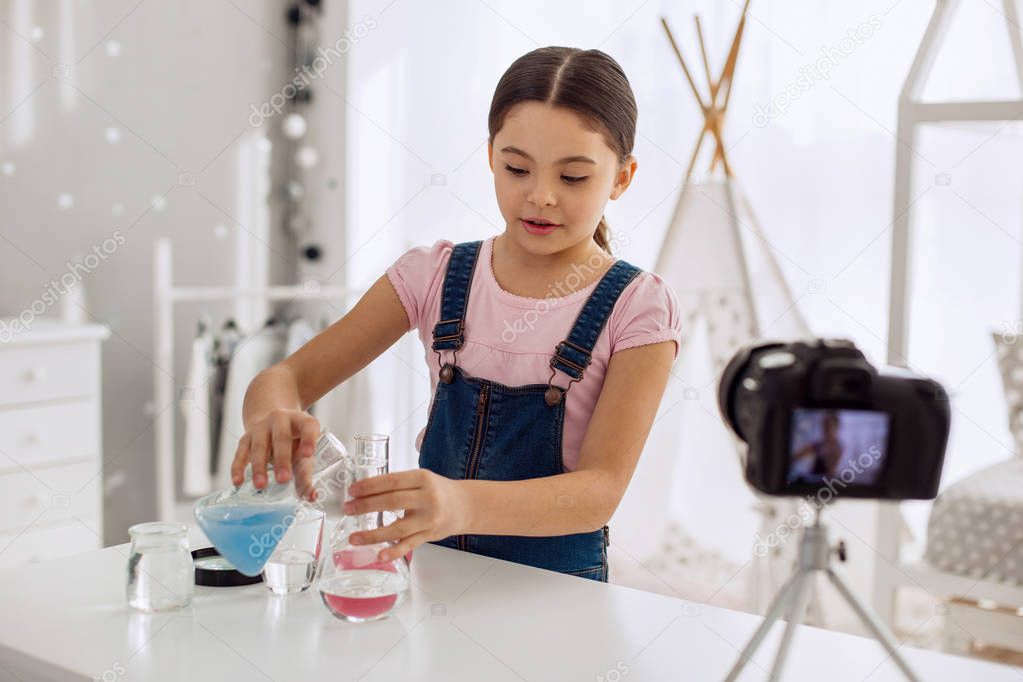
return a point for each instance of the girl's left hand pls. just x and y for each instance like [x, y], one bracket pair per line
[435, 507]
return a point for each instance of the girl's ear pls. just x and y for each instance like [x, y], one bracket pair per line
[490, 156]
[624, 177]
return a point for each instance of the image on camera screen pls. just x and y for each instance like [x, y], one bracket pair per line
[840, 445]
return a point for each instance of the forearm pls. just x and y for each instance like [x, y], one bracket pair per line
[274, 387]
[575, 502]
[331, 357]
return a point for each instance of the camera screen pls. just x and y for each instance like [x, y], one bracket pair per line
[848, 447]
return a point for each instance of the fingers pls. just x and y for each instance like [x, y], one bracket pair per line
[308, 430]
[402, 480]
[404, 547]
[281, 435]
[401, 499]
[304, 477]
[392, 532]
[258, 454]
[282, 438]
[241, 458]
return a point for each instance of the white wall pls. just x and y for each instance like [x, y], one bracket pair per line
[177, 95]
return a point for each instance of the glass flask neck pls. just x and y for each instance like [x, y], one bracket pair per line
[329, 456]
[371, 459]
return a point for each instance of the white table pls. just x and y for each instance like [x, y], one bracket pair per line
[468, 618]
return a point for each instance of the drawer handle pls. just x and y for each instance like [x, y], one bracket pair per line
[35, 374]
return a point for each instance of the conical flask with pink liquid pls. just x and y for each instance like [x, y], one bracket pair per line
[355, 585]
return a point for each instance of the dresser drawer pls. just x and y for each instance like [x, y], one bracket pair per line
[48, 371]
[42, 434]
[51, 496]
[43, 544]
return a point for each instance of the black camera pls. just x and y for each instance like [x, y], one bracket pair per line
[818, 417]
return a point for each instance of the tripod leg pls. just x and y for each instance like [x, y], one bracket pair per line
[795, 617]
[875, 626]
[782, 600]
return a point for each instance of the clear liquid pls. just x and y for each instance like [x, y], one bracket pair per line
[289, 571]
[246, 534]
[363, 588]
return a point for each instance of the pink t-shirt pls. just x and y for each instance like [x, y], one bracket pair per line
[510, 339]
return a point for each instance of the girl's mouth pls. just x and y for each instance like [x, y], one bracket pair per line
[538, 228]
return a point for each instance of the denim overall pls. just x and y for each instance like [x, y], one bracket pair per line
[481, 429]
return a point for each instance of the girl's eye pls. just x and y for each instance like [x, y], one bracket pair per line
[567, 178]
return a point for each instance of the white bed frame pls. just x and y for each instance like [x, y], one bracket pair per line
[964, 621]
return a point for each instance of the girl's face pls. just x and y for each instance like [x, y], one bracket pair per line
[548, 164]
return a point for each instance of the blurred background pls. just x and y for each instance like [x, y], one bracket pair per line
[222, 179]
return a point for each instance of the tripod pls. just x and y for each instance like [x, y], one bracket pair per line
[814, 556]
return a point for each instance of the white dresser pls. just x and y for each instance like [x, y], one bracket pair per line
[51, 478]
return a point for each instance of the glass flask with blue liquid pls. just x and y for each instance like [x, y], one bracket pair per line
[245, 523]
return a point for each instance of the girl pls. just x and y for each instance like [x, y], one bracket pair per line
[818, 461]
[548, 356]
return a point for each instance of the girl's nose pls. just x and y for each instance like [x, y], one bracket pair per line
[541, 195]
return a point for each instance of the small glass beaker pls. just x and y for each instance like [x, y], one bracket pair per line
[355, 585]
[292, 566]
[161, 576]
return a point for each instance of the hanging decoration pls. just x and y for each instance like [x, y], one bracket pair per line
[303, 19]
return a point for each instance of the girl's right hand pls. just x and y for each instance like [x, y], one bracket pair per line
[289, 437]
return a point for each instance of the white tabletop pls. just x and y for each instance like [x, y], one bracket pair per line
[468, 618]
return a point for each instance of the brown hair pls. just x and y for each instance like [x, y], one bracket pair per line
[589, 82]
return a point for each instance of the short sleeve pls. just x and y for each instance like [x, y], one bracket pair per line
[647, 312]
[416, 276]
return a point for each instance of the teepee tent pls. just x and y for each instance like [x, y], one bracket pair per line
[714, 250]
[724, 271]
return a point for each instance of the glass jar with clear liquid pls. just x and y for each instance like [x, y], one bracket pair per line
[355, 585]
[246, 523]
[292, 566]
[160, 572]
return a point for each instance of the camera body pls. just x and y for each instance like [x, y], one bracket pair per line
[818, 415]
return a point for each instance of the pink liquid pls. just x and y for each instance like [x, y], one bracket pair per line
[360, 607]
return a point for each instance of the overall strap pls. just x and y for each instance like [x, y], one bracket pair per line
[572, 356]
[447, 333]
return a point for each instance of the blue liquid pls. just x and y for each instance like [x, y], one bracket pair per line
[247, 534]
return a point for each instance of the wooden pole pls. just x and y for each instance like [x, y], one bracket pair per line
[713, 112]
